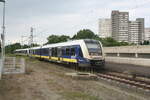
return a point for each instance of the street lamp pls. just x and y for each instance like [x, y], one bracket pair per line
[3, 39]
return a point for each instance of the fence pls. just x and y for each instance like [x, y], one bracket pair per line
[13, 65]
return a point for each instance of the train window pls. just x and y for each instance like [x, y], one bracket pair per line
[45, 51]
[54, 52]
[63, 52]
[59, 51]
[80, 52]
[50, 52]
[30, 51]
[37, 52]
[72, 51]
[67, 51]
[33, 51]
[94, 47]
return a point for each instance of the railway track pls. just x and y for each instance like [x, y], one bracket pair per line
[123, 79]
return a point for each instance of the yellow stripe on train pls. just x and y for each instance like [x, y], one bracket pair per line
[46, 57]
[54, 58]
[57, 59]
[69, 60]
[36, 55]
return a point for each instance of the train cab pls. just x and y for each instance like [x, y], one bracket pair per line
[93, 54]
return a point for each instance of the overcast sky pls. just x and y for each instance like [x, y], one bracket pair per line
[64, 16]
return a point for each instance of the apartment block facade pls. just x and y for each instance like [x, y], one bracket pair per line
[134, 32]
[105, 28]
[120, 25]
[125, 30]
[141, 29]
[147, 34]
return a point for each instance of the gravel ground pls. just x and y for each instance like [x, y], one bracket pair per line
[128, 68]
[47, 81]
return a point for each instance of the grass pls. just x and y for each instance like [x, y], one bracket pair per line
[78, 96]
[17, 56]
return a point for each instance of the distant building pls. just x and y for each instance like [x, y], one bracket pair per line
[141, 29]
[147, 34]
[105, 28]
[136, 33]
[120, 25]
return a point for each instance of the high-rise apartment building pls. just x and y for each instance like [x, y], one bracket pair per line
[134, 32]
[105, 28]
[141, 29]
[120, 25]
[147, 34]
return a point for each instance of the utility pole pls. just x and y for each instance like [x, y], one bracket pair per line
[22, 41]
[3, 40]
[31, 37]
[31, 40]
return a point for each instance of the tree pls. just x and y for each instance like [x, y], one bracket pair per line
[85, 34]
[111, 42]
[33, 45]
[56, 39]
[145, 42]
[12, 47]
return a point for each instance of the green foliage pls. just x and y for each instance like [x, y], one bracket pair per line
[75, 95]
[12, 47]
[25, 46]
[56, 39]
[33, 45]
[9, 49]
[85, 34]
[146, 43]
[108, 42]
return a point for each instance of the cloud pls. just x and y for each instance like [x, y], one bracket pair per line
[64, 16]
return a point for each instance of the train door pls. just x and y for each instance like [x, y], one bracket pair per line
[50, 53]
[59, 53]
[54, 53]
[79, 53]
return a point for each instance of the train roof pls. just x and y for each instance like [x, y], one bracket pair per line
[68, 43]
[21, 49]
[35, 47]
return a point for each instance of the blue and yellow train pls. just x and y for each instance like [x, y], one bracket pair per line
[83, 53]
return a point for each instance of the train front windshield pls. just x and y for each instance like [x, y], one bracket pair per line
[94, 47]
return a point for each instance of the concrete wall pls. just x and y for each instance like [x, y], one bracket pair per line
[127, 49]
[134, 61]
[136, 55]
